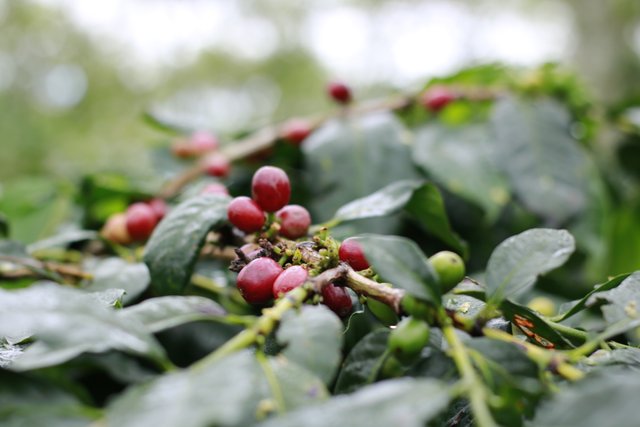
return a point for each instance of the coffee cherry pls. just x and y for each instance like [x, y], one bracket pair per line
[542, 305]
[416, 308]
[202, 142]
[437, 97]
[270, 188]
[340, 92]
[295, 131]
[255, 280]
[217, 165]
[159, 207]
[294, 221]
[245, 214]
[450, 269]
[141, 220]
[382, 311]
[289, 279]
[408, 338]
[115, 229]
[182, 149]
[337, 299]
[351, 252]
[215, 188]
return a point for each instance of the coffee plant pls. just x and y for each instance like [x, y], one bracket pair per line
[429, 259]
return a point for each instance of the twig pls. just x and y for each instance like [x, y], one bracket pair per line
[372, 289]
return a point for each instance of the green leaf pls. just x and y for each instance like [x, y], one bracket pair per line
[62, 240]
[462, 160]
[517, 262]
[313, 339]
[66, 323]
[427, 208]
[175, 244]
[117, 273]
[298, 386]
[547, 168]
[4, 226]
[603, 399]
[403, 402]
[9, 352]
[13, 249]
[349, 158]
[578, 306]
[534, 326]
[364, 362]
[622, 302]
[401, 262]
[628, 358]
[161, 313]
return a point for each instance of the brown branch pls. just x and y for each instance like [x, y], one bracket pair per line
[379, 291]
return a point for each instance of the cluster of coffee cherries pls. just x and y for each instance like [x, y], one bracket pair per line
[136, 224]
[203, 145]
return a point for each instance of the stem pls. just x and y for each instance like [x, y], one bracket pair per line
[272, 380]
[372, 289]
[474, 387]
[568, 331]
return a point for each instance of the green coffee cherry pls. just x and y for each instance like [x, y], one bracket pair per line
[542, 305]
[383, 312]
[391, 368]
[450, 269]
[414, 307]
[407, 340]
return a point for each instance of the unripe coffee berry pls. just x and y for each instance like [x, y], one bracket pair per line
[159, 207]
[408, 338]
[296, 131]
[542, 305]
[140, 220]
[202, 142]
[115, 229]
[437, 97]
[337, 299]
[450, 269]
[217, 165]
[294, 221]
[255, 280]
[339, 92]
[215, 188]
[270, 188]
[351, 252]
[289, 279]
[382, 311]
[245, 214]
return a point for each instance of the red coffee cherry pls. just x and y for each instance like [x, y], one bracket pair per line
[141, 220]
[217, 165]
[289, 279]
[337, 299]
[115, 229]
[351, 252]
[437, 97]
[270, 188]
[215, 188]
[159, 207]
[295, 131]
[245, 214]
[294, 221]
[340, 92]
[202, 142]
[255, 280]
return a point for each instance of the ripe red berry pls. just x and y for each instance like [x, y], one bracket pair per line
[215, 188]
[351, 252]
[289, 279]
[437, 97]
[245, 214]
[270, 188]
[340, 92]
[217, 165]
[337, 299]
[159, 207]
[294, 221]
[141, 220]
[255, 280]
[202, 142]
[296, 131]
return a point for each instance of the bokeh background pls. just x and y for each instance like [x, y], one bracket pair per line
[76, 76]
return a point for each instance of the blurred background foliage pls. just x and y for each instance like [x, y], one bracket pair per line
[78, 77]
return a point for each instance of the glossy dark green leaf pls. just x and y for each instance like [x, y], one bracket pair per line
[350, 158]
[63, 239]
[115, 272]
[464, 306]
[533, 326]
[312, 338]
[427, 208]
[621, 302]
[546, 167]
[517, 262]
[362, 365]
[175, 244]
[506, 356]
[603, 399]
[157, 314]
[462, 159]
[400, 262]
[578, 306]
[66, 323]
[402, 403]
